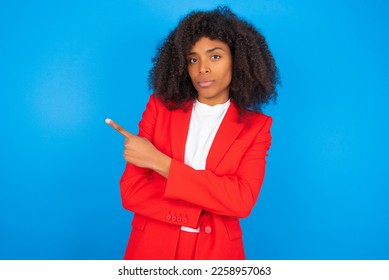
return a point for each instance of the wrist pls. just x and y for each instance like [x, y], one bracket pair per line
[162, 165]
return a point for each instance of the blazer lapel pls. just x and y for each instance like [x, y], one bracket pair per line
[179, 132]
[228, 131]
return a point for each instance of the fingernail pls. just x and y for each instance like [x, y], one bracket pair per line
[108, 121]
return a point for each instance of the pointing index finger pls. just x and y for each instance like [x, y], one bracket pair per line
[118, 128]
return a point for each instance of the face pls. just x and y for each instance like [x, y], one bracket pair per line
[210, 69]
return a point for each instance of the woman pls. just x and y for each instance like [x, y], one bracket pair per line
[198, 162]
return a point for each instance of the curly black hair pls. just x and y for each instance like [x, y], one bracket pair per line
[254, 72]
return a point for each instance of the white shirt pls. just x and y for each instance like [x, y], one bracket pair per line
[204, 123]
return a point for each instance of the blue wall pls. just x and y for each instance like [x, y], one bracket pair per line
[67, 65]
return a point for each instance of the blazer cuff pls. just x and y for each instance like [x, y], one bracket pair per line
[175, 189]
[175, 185]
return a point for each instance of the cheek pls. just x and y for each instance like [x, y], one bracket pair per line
[191, 73]
[226, 72]
[228, 76]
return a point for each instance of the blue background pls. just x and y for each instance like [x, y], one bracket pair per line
[67, 65]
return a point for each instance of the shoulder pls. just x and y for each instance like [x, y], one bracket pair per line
[155, 100]
[257, 121]
[161, 104]
[260, 116]
[155, 104]
[252, 119]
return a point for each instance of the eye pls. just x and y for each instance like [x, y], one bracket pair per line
[192, 60]
[215, 57]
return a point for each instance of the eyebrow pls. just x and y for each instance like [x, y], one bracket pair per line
[208, 51]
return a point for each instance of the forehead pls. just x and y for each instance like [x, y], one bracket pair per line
[205, 44]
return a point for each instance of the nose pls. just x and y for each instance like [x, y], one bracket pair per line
[204, 68]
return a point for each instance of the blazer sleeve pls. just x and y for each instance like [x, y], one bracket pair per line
[142, 190]
[231, 195]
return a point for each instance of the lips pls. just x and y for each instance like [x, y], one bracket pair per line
[205, 83]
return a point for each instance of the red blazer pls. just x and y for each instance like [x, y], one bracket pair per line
[213, 199]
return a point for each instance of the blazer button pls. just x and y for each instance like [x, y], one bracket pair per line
[178, 219]
[168, 217]
[184, 220]
[208, 229]
[174, 218]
